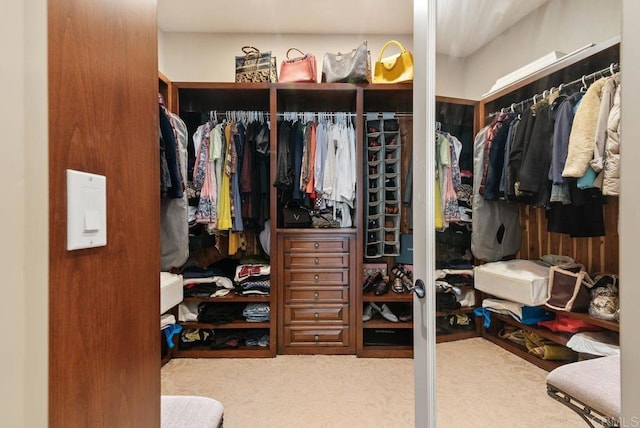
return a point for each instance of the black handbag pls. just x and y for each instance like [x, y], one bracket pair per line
[294, 215]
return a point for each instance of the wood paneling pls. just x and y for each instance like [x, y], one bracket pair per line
[598, 254]
[104, 365]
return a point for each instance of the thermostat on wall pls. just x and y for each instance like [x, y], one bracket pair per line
[86, 210]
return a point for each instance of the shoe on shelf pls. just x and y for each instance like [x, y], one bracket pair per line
[407, 313]
[385, 312]
[368, 313]
[371, 282]
[397, 286]
[382, 287]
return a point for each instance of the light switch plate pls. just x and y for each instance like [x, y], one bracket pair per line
[86, 210]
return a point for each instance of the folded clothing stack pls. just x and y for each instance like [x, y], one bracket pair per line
[257, 312]
[218, 313]
[209, 282]
[253, 279]
[259, 337]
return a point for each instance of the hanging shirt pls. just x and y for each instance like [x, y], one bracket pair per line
[321, 156]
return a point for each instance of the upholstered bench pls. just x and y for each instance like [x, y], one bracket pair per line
[591, 388]
[190, 412]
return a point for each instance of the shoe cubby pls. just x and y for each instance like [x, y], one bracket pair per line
[382, 169]
[375, 175]
[387, 145]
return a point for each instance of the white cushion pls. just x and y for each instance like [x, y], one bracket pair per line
[595, 383]
[190, 412]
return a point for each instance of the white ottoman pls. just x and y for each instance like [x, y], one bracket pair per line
[591, 388]
[184, 411]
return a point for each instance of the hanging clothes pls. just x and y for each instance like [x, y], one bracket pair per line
[174, 223]
[583, 132]
[495, 224]
[611, 184]
[175, 185]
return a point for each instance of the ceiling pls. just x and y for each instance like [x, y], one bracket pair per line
[463, 25]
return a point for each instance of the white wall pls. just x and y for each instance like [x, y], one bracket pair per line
[161, 66]
[24, 225]
[208, 57]
[559, 25]
[629, 208]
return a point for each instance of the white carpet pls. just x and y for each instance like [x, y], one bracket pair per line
[478, 384]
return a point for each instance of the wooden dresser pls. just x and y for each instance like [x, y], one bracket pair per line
[317, 313]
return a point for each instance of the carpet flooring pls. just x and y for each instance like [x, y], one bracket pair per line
[478, 385]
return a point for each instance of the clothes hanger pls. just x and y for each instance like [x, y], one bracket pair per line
[584, 84]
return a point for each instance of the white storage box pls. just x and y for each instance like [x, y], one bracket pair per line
[170, 291]
[521, 281]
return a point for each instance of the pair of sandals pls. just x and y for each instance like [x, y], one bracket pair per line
[405, 277]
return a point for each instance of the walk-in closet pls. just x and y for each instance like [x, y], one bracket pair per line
[362, 213]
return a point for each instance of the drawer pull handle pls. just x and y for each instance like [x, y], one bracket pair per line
[317, 315]
[316, 245]
[316, 295]
[316, 337]
[316, 277]
[316, 260]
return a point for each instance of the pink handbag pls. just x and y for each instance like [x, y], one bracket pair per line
[300, 69]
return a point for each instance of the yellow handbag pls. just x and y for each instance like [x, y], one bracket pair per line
[394, 69]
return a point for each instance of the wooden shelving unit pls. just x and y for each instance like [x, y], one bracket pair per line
[598, 254]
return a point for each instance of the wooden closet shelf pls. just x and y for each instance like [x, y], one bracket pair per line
[463, 310]
[609, 325]
[457, 335]
[389, 297]
[522, 352]
[237, 324]
[229, 298]
[560, 338]
[381, 351]
[382, 323]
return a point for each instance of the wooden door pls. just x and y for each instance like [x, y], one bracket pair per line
[104, 354]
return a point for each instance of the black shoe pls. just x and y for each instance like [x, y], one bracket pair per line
[371, 282]
[373, 224]
[407, 313]
[373, 197]
[382, 287]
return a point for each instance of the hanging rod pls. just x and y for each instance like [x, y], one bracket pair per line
[301, 113]
[611, 70]
[395, 114]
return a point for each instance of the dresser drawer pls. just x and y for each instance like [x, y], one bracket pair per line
[315, 277]
[320, 294]
[321, 314]
[305, 336]
[306, 260]
[319, 245]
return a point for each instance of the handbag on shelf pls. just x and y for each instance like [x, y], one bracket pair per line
[295, 215]
[569, 288]
[396, 68]
[255, 66]
[302, 69]
[324, 220]
[352, 67]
